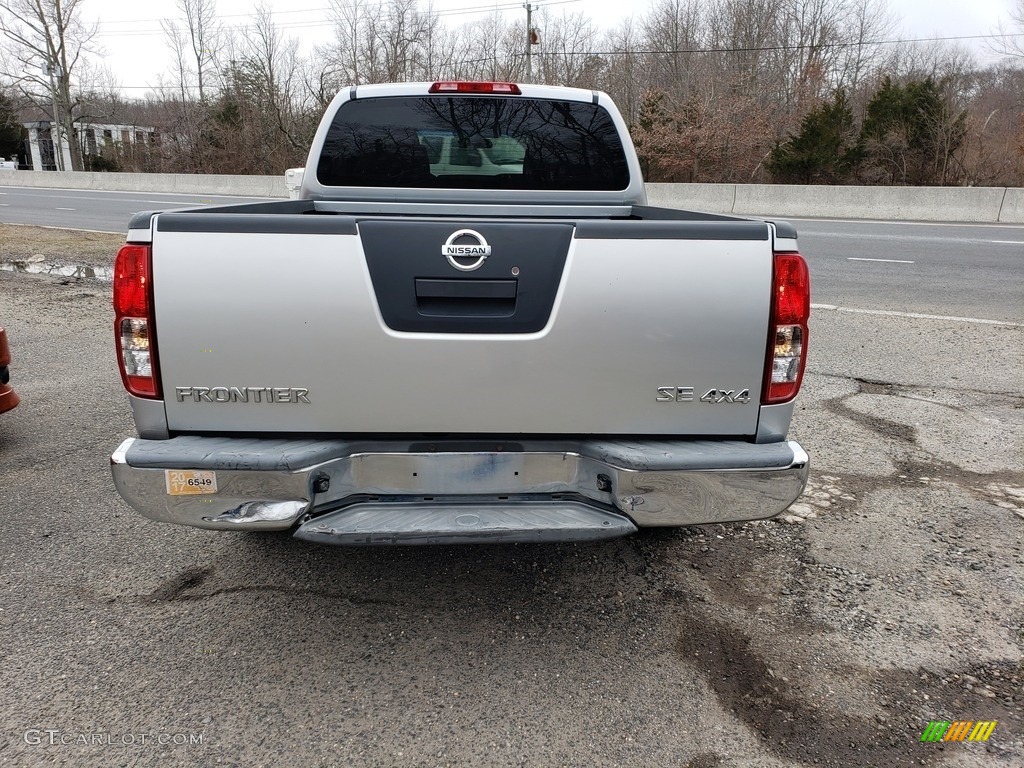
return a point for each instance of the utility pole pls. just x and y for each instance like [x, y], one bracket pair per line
[529, 42]
[60, 137]
[58, 145]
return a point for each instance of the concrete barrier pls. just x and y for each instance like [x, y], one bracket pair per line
[952, 204]
[183, 183]
[1012, 211]
[712, 198]
[980, 204]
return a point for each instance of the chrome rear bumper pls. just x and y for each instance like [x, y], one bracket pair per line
[425, 492]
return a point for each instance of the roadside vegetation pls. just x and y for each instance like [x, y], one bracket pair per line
[797, 91]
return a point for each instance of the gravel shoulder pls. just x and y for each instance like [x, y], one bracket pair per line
[891, 595]
[22, 243]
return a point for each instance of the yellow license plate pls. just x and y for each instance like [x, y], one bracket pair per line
[189, 482]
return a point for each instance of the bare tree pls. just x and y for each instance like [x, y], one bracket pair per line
[176, 39]
[259, 122]
[490, 48]
[706, 139]
[1005, 42]
[438, 51]
[752, 35]
[195, 41]
[204, 36]
[938, 59]
[867, 23]
[346, 54]
[322, 77]
[273, 63]
[47, 39]
[670, 31]
[994, 153]
[707, 86]
[196, 46]
[379, 42]
[622, 74]
[400, 32]
[567, 43]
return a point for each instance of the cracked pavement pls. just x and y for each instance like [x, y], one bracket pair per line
[891, 595]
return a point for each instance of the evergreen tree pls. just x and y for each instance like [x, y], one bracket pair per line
[912, 136]
[12, 135]
[825, 151]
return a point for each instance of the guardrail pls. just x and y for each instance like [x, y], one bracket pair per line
[947, 204]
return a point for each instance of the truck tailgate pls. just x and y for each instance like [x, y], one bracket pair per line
[336, 324]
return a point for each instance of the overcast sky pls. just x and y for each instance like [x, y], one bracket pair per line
[136, 49]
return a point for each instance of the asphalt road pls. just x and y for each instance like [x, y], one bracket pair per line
[93, 209]
[893, 597]
[942, 269]
[947, 270]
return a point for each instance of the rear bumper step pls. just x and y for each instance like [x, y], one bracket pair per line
[405, 492]
[465, 523]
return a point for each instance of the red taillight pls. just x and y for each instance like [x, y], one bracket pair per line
[131, 281]
[455, 87]
[133, 320]
[787, 330]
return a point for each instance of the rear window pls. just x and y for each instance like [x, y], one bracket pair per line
[473, 142]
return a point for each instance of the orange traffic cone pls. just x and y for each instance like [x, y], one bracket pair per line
[8, 397]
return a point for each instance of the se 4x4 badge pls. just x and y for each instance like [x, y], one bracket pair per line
[712, 396]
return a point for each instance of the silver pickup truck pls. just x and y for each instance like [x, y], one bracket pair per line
[469, 327]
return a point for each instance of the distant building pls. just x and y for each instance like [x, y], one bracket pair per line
[100, 143]
[39, 147]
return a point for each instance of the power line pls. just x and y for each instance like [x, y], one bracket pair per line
[276, 12]
[219, 16]
[464, 11]
[794, 47]
[755, 49]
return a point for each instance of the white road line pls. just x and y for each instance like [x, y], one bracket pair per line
[902, 238]
[66, 209]
[79, 196]
[1007, 242]
[137, 192]
[915, 315]
[93, 199]
[990, 224]
[173, 202]
[888, 261]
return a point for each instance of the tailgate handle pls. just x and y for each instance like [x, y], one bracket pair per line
[466, 298]
[465, 289]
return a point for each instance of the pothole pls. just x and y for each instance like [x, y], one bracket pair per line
[1005, 496]
[55, 269]
[871, 387]
[823, 493]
